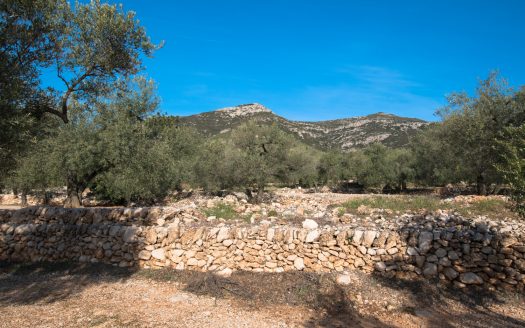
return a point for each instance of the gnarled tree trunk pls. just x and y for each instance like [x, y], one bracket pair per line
[481, 186]
[73, 199]
[23, 199]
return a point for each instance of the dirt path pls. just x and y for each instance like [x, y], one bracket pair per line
[100, 296]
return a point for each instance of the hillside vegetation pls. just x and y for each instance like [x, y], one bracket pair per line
[343, 135]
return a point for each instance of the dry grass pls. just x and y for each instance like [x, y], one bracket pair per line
[494, 207]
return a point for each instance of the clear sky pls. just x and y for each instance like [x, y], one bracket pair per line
[317, 60]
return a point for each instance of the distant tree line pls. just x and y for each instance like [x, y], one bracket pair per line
[103, 132]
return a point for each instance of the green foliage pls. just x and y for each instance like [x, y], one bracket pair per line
[252, 156]
[119, 150]
[222, 211]
[99, 44]
[28, 33]
[93, 47]
[377, 166]
[394, 203]
[463, 146]
[333, 167]
[511, 146]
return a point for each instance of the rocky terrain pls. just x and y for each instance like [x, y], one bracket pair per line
[294, 231]
[322, 264]
[344, 134]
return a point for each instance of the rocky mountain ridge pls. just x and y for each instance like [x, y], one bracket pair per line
[344, 134]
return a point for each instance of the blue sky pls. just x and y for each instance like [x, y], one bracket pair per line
[317, 60]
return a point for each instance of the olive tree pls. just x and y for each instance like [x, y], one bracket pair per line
[29, 30]
[99, 44]
[511, 145]
[464, 142]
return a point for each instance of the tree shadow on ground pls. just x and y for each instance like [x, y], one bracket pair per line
[320, 293]
[48, 282]
[431, 301]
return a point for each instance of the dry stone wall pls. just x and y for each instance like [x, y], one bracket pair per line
[452, 249]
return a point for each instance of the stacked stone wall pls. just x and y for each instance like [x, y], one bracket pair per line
[452, 249]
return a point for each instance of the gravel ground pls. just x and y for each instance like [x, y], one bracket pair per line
[99, 296]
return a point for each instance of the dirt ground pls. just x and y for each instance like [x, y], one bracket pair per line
[73, 295]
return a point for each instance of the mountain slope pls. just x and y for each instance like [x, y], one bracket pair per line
[342, 134]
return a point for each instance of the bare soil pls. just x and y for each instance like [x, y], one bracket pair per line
[95, 295]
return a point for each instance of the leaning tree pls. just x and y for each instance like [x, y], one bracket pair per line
[91, 48]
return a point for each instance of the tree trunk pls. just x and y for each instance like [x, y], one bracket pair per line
[46, 197]
[260, 193]
[23, 199]
[73, 199]
[481, 186]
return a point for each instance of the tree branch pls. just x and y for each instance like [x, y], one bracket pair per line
[71, 88]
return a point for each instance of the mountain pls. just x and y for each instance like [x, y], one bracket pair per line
[344, 134]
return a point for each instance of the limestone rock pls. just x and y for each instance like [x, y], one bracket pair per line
[470, 278]
[430, 270]
[343, 279]
[368, 238]
[130, 234]
[380, 266]
[151, 236]
[450, 273]
[159, 254]
[425, 241]
[144, 255]
[223, 234]
[298, 263]
[312, 236]
[310, 224]
[225, 273]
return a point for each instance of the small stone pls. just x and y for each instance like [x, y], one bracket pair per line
[151, 236]
[444, 261]
[227, 242]
[298, 263]
[270, 234]
[392, 251]
[356, 238]
[130, 234]
[412, 251]
[312, 236]
[509, 241]
[453, 256]
[225, 273]
[441, 252]
[193, 261]
[380, 266]
[450, 273]
[358, 262]
[470, 278]
[368, 238]
[177, 252]
[144, 255]
[271, 265]
[159, 254]
[223, 234]
[430, 270]
[114, 230]
[310, 224]
[343, 279]
[425, 241]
